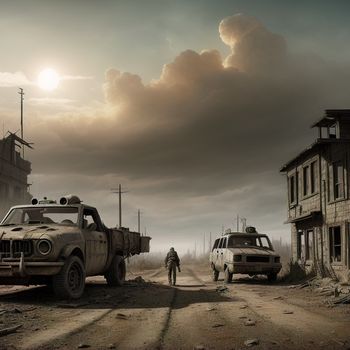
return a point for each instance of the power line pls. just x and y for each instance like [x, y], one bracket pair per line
[20, 92]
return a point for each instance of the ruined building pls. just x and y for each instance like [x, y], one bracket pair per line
[14, 171]
[318, 198]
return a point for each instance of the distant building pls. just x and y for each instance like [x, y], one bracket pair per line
[14, 171]
[319, 198]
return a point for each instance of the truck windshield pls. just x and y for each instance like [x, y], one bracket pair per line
[42, 215]
[249, 241]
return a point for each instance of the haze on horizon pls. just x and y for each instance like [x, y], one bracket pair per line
[192, 106]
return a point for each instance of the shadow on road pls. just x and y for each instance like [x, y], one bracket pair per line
[100, 296]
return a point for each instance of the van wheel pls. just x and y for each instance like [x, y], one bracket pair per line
[69, 283]
[228, 276]
[215, 274]
[272, 277]
[115, 275]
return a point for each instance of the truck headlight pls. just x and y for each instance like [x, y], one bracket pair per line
[277, 259]
[44, 246]
[237, 258]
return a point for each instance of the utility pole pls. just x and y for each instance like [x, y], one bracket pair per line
[20, 92]
[119, 192]
[237, 223]
[138, 220]
[210, 243]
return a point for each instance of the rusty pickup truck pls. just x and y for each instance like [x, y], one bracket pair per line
[60, 244]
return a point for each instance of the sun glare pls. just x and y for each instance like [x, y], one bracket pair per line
[48, 79]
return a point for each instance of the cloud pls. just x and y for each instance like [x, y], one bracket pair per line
[16, 79]
[254, 48]
[206, 128]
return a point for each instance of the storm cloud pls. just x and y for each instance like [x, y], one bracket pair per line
[211, 131]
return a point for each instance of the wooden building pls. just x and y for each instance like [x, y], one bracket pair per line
[14, 171]
[318, 198]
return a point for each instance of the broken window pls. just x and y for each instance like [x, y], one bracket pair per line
[293, 189]
[313, 177]
[335, 244]
[300, 245]
[332, 131]
[305, 180]
[309, 240]
[338, 180]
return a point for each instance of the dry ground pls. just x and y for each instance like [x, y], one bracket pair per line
[192, 315]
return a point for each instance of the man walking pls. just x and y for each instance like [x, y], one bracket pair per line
[172, 262]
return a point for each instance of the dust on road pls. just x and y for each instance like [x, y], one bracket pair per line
[192, 315]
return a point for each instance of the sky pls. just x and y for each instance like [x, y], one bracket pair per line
[193, 106]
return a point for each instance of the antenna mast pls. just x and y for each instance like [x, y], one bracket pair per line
[21, 93]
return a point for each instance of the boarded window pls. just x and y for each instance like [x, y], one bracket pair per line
[335, 244]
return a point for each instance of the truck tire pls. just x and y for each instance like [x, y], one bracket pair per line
[215, 274]
[70, 282]
[228, 276]
[115, 275]
[272, 277]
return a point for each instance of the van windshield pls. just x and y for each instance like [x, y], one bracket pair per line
[42, 215]
[249, 241]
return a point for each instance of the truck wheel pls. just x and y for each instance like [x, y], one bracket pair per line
[70, 282]
[228, 276]
[215, 275]
[272, 277]
[115, 275]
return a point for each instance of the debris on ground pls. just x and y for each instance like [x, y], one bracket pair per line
[336, 293]
[221, 289]
[251, 342]
[199, 347]
[83, 346]
[250, 322]
[9, 330]
[211, 308]
[288, 312]
[217, 325]
[121, 316]
[71, 305]
[138, 280]
[243, 306]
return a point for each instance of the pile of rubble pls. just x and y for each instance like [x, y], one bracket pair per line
[335, 292]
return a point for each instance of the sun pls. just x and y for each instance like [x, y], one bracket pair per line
[48, 79]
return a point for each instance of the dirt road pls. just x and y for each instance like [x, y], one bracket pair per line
[192, 315]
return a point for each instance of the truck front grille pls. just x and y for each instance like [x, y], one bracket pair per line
[253, 258]
[14, 248]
